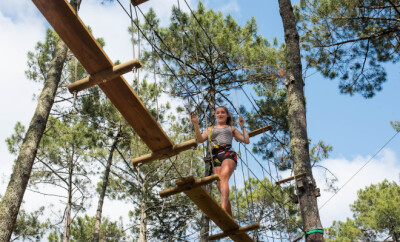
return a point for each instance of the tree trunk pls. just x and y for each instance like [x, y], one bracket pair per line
[67, 224]
[11, 202]
[96, 234]
[205, 220]
[143, 215]
[395, 236]
[297, 124]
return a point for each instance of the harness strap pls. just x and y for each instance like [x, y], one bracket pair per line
[209, 134]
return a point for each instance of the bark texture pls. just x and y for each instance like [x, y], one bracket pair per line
[96, 234]
[297, 124]
[143, 219]
[11, 202]
[68, 209]
[143, 215]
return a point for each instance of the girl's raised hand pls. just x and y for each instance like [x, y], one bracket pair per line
[193, 118]
[241, 121]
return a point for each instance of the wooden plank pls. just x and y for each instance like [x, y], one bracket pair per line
[104, 75]
[211, 208]
[165, 153]
[233, 232]
[215, 212]
[74, 33]
[259, 131]
[188, 183]
[137, 2]
[290, 178]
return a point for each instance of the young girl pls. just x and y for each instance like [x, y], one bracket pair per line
[223, 155]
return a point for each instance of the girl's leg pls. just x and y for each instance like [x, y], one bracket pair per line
[225, 171]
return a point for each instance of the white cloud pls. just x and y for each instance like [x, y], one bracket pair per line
[21, 28]
[384, 166]
[230, 7]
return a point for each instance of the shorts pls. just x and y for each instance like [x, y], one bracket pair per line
[222, 153]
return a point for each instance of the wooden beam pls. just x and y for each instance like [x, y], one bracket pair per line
[81, 42]
[165, 153]
[290, 178]
[215, 212]
[104, 75]
[233, 232]
[137, 2]
[259, 131]
[188, 183]
[212, 209]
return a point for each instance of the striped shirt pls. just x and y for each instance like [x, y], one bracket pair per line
[222, 136]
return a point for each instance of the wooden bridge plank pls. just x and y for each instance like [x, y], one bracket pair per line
[238, 231]
[210, 206]
[81, 42]
[215, 212]
[260, 131]
[137, 2]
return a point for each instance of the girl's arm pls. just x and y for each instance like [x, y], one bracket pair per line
[199, 136]
[238, 135]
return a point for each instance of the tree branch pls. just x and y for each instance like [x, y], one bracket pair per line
[375, 35]
[394, 6]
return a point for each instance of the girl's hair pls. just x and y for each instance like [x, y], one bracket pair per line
[229, 118]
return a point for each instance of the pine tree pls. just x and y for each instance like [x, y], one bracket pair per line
[351, 40]
[299, 145]
[376, 215]
[29, 226]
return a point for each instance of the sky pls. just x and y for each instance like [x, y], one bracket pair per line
[356, 127]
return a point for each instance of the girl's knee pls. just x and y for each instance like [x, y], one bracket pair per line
[224, 177]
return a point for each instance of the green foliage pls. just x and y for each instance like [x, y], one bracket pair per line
[272, 106]
[39, 61]
[377, 209]
[54, 237]
[351, 40]
[63, 152]
[320, 151]
[139, 186]
[267, 202]
[234, 55]
[272, 109]
[15, 141]
[395, 125]
[343, 231]
[28, 226]
[82, 230]
[376, 215]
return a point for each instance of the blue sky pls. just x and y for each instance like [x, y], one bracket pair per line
[354, 126]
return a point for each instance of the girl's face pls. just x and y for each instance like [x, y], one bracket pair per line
[221, 115]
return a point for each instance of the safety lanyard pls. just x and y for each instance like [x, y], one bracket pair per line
[209, 134]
